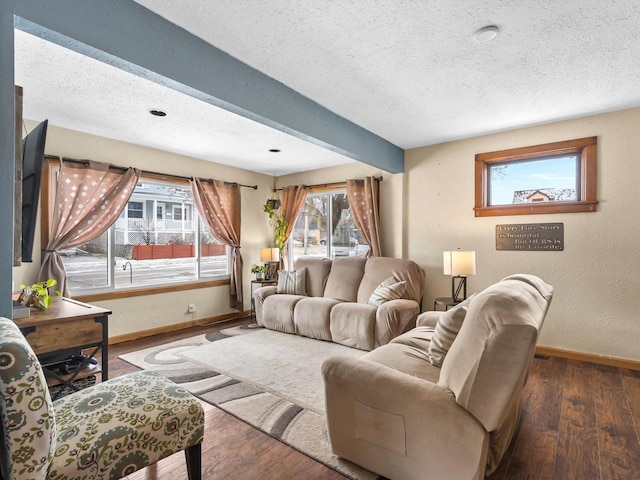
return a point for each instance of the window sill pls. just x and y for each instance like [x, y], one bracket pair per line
[536, 209]
[137, 292]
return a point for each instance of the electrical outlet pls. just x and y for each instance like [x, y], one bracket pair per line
[191, 308]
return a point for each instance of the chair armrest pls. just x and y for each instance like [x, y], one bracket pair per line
[394, 318]
[428, 319]
[399, 425]
[259, 295]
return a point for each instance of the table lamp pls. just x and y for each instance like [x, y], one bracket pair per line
[271, 257]
[459, 264]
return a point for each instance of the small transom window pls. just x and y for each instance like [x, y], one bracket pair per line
[552, 178]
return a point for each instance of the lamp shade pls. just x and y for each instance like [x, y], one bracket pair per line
[269, 255]
[459, 263]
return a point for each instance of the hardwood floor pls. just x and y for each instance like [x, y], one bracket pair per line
[579, 421]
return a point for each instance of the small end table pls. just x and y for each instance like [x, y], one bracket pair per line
[445, 302]
[261, 283]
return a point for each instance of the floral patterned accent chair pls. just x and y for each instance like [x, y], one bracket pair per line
[107, 431]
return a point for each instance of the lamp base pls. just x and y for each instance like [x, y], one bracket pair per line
[455, 290]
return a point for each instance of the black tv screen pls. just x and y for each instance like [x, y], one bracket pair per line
[32, 160]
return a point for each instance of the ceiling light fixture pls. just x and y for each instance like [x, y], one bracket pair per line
[486, 34]
[157, 113]
[274, 150]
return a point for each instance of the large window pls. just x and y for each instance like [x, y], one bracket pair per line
[552, 178]
[325, 227]
[156, 241]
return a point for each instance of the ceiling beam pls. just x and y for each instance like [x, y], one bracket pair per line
[130, 37]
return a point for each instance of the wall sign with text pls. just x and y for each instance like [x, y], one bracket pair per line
[530, 237]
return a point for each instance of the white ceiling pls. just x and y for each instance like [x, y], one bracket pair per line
[407, 70]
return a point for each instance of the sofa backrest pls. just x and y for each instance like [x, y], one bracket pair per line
[378, 269]
[487, 364]
[344, 278]
[318, 269]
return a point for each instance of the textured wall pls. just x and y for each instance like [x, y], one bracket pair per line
[597, 299]
[152, 311]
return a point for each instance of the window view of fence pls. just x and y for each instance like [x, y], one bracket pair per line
[158, 239]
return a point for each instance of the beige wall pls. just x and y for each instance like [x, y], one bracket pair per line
[429, 209]
[597, 279]
[153, 311]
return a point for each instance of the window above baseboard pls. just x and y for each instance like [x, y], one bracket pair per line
[558, 177]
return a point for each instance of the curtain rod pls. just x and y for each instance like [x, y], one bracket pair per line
[325, 185]
[148, 172]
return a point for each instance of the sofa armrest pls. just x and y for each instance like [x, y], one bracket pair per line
[394, 318]
[428, 319]
[258, 298]
[399, 425]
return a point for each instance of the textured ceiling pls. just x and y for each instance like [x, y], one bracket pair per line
[79, 93]
[407, 70]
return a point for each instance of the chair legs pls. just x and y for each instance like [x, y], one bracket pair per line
[193, 455]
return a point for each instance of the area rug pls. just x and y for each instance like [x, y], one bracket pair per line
[268, 379]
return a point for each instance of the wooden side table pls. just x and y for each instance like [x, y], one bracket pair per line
[64, 329]
[445, 302]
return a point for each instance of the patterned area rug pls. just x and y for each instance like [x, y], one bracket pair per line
[270, 380]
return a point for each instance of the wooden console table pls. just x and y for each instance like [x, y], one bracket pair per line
[64, 329]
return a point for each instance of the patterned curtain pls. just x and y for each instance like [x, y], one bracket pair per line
[364, 201]
[293, 198]
[89, 199]
[219, 206]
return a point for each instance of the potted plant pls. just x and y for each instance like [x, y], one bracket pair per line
[278, 224]
[37, 295]
[260, 271]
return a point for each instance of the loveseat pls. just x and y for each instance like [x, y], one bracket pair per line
[396, 413]
[342, 300]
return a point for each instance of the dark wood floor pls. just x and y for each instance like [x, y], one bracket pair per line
[579, 421]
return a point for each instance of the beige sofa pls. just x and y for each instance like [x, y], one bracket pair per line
[393, 412]
[336, 305]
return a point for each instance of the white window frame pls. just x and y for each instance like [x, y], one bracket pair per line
[329, 247]
[138, 289]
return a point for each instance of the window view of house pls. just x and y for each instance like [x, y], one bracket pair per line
[158, 239]
[548, 179]
[325, 227]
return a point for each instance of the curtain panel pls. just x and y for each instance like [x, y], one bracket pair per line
[293, 198]
[364, 201]
[89, 199]
[218, 203]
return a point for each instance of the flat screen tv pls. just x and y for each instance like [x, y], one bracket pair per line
[32, 160]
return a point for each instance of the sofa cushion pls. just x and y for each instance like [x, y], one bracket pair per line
[292, 282]
[446, 330]
[389, 289]
[378, 269]
[429, 319]
[408, 354]
[344, 278]
[311, 316]
[394, 318]
[277, 312]
[352, 324]
[318, 269]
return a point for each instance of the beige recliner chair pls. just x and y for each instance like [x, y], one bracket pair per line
[393, 412]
